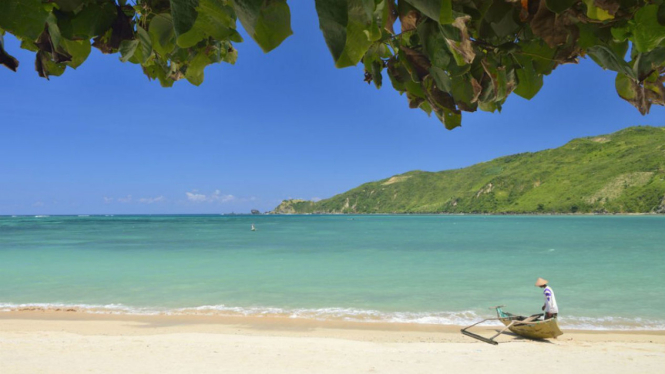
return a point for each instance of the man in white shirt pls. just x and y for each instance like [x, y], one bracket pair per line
[550, 307]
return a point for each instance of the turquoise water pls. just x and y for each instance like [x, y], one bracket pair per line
[606, 271]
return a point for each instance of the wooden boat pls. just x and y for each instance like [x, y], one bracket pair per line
[532, 327]
[529, 327]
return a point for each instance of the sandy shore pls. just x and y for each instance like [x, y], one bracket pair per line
[62, 342]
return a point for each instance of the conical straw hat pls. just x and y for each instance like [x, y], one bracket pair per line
[541, 282]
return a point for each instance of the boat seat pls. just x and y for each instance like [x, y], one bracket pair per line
[529, 319]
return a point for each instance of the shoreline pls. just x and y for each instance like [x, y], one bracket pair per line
[46, 215]
[458, 214]
[286, 325]
[277, 321]
[58, 342]
[455, 320]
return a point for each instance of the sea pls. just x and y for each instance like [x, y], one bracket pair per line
[607, 272]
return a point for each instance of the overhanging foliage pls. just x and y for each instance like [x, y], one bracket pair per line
[447, 56]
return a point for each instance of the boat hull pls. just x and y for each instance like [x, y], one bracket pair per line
[547, 329]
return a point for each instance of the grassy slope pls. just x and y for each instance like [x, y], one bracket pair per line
[622, 172]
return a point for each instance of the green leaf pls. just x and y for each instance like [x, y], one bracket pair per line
[558, 6]
[489, 106]
[451, 119]
[506, 27]
[345, 25]
[415, 89]
[46, 67]
[434, 44]
[190, 38]
[70, 5]
[146, 44]
[597, 13]
[540, 53]
[441, 78]
[219, 12]
[649, 62]
[127, 49]
[194, 73]
[162, 34]
[23, 18]
[376, 70]
[5, 58]
[215, 19]
[462, 49]
[647, 32]
[438, 10]
[184, 15]
[93, 20]
[529, 81]
[625, 87]
[160, 72]
[268, 22]
[374, 64]
[499, 80]
[463, 92]
[608, 59]
[230, 55]
[53, 30]
[589, 35]
[78, 49]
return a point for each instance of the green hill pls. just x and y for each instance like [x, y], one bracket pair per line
[623, 172]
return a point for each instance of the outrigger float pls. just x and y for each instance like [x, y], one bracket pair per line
[529, 327]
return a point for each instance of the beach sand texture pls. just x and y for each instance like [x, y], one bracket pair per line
[61, 342]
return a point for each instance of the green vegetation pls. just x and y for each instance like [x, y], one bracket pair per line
[619, 173]
[447, 56]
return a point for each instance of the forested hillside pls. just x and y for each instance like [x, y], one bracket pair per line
[623, 172]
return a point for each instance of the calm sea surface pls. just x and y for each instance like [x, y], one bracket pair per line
[608, 272]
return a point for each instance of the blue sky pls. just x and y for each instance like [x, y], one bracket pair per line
[103, 139]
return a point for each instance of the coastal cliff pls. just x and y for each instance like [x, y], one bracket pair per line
[623, 172]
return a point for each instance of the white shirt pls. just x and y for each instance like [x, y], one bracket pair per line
[550, 301]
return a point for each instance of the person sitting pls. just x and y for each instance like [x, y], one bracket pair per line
[550, 307]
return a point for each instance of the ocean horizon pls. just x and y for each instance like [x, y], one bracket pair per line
[429, 269]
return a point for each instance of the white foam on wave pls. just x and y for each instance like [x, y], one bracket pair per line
[86, 308]
[345, 314]
[41, 216]
[460, 318]
[610, 323]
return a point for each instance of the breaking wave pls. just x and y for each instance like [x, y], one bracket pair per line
[461, 318]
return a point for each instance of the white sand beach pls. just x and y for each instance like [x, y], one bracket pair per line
[73, 342]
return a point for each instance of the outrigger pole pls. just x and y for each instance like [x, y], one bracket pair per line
[482, 338]
[491, 340]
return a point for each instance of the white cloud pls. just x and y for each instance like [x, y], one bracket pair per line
[315, 199]
[196, 197]
[38, 203]
[151, 200]
[130, 199]
[215, 197]
[127, 199]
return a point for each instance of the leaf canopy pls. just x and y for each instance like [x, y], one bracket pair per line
[445, 56]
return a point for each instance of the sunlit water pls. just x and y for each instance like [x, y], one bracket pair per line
[607, 271]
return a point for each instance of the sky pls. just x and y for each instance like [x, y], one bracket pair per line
[103, 139]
